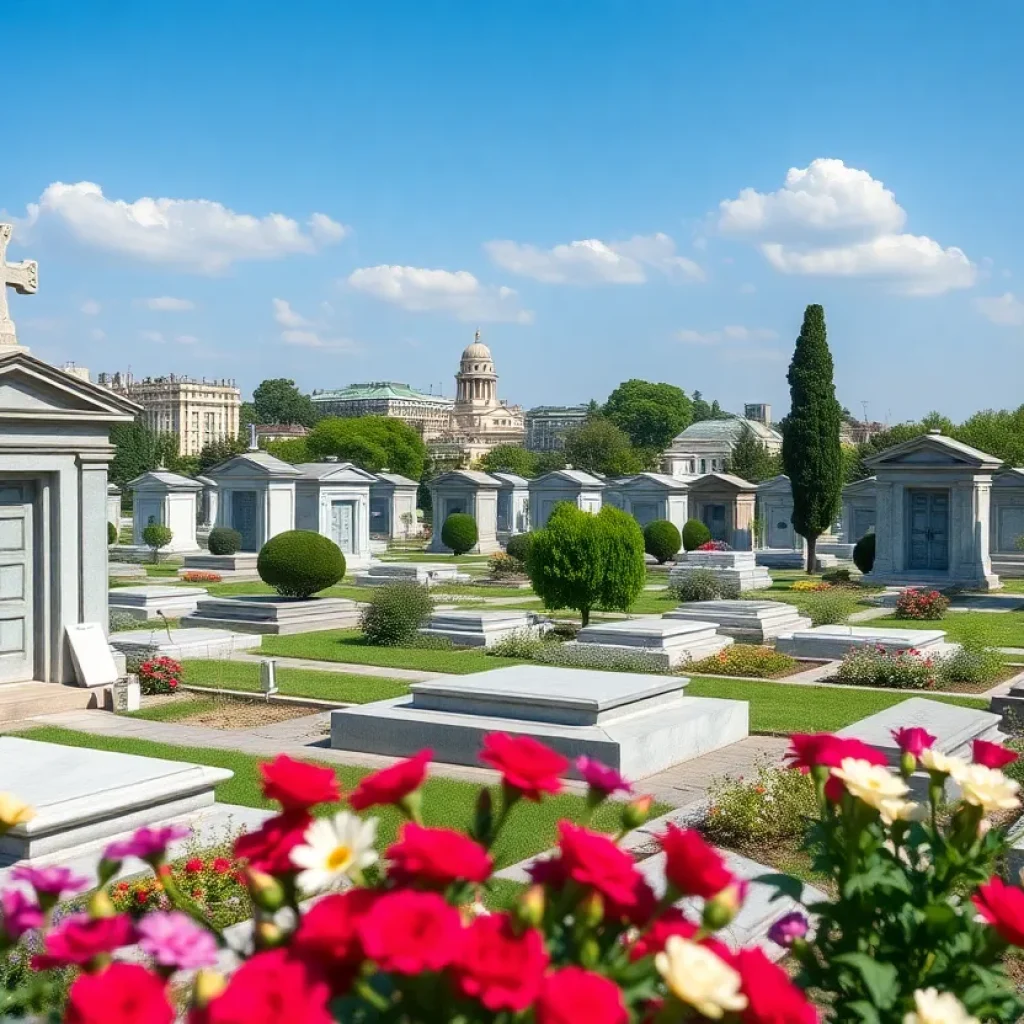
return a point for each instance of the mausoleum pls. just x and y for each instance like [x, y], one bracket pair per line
[583, 490]
[650, 496]
[859, 503]
[1008, 523]
[725, 505]
[513, 504]
[166, 499]
[393, 506]
[333, 499]
[775, 510]
[471, 492]
[256, 496]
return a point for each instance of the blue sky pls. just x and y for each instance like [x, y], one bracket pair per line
[607, 190]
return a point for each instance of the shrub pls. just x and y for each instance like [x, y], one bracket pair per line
[624, 571]
[864, 553]
[111, 534]
[921, 604]
[200, 576]
[829, 607]
[838, 577]
[714, 545]
[604, 659]
[503, 567]
[975, 662]
[875, 666]
[766, 810]
[300, 563]
[695, 533]
[157, 536]
[120, 621]
[517, 546]
[520, 643]
[662, 540]
[759, 662]
[701, 584]
[159, 675]
[224, 541]
[459, 532]
[395, 613]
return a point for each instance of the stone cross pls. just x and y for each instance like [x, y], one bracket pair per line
[22, 277]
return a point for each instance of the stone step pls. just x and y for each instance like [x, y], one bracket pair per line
[1011, 706]
[20, 701]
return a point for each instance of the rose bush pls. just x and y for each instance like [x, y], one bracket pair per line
[342, 932]
[913, 603]
[159, 675]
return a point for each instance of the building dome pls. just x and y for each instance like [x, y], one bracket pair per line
[478, 350]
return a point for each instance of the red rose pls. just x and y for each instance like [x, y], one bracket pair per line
[993, 755]
[525, 764]
[771, 997]
[410, 932]
[120, 994]
[79, 939]
[268, 989]
[672, 922]
[270, 847]
[594, 861]
[436, 856]
[498, 967]
[1002, 906]
[296, 785]
[914, 740]
[572, 995]
[691, 865]
[194, 865]
[328, 935]
[808, 750]
[221, 865]
[392, 784]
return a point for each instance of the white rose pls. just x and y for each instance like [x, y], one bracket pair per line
[700, 979]
[874, 784]
[988, 788]
[934, 1007]
[936, 761]
[901, 810]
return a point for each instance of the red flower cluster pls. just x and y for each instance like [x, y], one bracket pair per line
[297, 785]
[914, 741]
[436, 857]
[120, 994]
[921, 604]
[526, 766]
[392, 785]
[692, 866]
[811, 750]
[159, 675]
[199, 576]
[1002, 906]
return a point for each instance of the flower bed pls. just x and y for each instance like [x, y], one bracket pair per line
[875, 666]
[714, 545]
[810, 586]
[757, 662]
[921, 604]
[159, 675]
[200, 576]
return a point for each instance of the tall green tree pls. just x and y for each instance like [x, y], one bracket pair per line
[279, 401]
[216, 452]
[137, 450]
[701, 409]
[625, 571]
[371, 442]
[811, 450]
[550, 461]
[751, 460]
[651, 414]
[510, 458]
[601, 447]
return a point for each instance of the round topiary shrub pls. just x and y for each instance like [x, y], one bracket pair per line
[111, 534]
[300, 563]
[864, 553]
[395, 612]
[459, 532]
[695, 533]
[224, 541]
[662, 540]
[157, 536]
[517, 546]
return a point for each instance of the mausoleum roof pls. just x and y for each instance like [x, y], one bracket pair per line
[397, 479]
[938, 444]
[261, 463]
[512, 478]
[726, 430]
[165, 480]
[576, 476]
[340, 470]
[1010, 477]
[711, 481]
[473, 476]
[867, 483]
[671, 483]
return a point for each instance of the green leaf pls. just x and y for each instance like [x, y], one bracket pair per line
[879, 875]
[864, 1011]
[784, 885]
[880, 979]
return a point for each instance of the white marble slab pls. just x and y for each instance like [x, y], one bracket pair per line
[90, 653]
[832, 642]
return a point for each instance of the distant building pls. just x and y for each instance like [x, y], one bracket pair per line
[428, 414]
[547, 425]
[853, 431]
[706, 446]
[759, 412]
[280, 431]
[200, 412]
[81, 372]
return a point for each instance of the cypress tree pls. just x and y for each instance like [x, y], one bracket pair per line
[811, 450]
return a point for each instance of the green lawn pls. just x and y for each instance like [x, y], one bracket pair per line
[446, 802]
[294, 682]
[426, 556]
[348, 645]
[780, 708]
[174, 710]
[1012, 586]
[998, 629]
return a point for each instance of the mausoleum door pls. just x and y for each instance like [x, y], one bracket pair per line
[1009, 527]
[17, 643]
[342, 520]
[780, 529]
[714, 519]
[244, 519]
[863, 523]
[380, 518]
[929, 530]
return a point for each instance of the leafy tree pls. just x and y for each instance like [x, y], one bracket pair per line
[291, 449]
[624, 572]
[811, 451]
[547, 462]
[751, 460]
[716, 411]
[216, 452]
[371, 442]
[157, 536]
[137, 450]
[246, 418]
[510, 458]
[701, 409]
[651, 414]
[280, 401]
[601, 447]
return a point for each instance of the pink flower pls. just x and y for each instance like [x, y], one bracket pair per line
[788, 928]
[146, 843]
[913, 740]
[53, 881]
[600, 778]
[21, 913]
[173, 939]
[992, 755]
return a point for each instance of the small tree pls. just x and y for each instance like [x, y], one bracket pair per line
[157, 536]
[811, 449]
[623, 570]
[459, 532]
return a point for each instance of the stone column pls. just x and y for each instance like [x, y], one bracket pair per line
[886, 523]
[93, 538]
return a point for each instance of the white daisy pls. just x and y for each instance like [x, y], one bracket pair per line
[335, 848]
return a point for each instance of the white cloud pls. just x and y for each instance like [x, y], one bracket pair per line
[314, 339]
[592, 261]
[837, 221]
[166, 304]
[97, 334]
[424, 290]
[286, 316]
[153, 337]
[729, 333]
[1006, 310]
[186, 339]
[91, 307]
[195, 234]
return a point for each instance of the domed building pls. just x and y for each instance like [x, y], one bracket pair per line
[706, 446]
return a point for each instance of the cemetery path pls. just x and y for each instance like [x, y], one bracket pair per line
[406, 674]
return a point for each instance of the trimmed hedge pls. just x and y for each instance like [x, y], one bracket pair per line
[459, 532]
[695, 533]
[111, 534]
[224, 541]
[864, 553]
[662, 540]
[300, 563]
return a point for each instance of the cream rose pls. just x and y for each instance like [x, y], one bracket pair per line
[987, 788]
[874, 784]
[935, 761]
[700, 979]
[934, 1007]
[901, 810]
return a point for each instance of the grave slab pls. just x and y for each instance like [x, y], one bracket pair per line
[754, 622]
[83, 796]
[427, 573]
[264, 613]
[671, 642]
[637, 723]
[237, 568]
[146, 603]
[125, 571]
[828, 643]
[193, 642]
[91, 655]
[783, 558]
[737, 570]
[482, 628]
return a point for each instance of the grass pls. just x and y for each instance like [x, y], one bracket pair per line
[175, 710]
[780, 708]
[997, 629]
[348, 646]
[447, 803]
[343, 687]
[426, 556]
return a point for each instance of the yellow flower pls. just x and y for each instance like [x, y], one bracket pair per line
[934, 1007]
[700, 979]
[900, 810]
[13, 811]
[874, 784]
[935, 761]
[987, 788]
